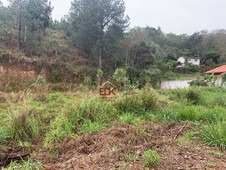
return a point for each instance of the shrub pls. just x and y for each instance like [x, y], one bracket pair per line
[144, 101]
[151, 158]
[92, 127]
[120, 77]
[22, 124]
[215, 134]
[62, 126]
[166, 115]
[130, 119]
[153, 77]
[193, 97]
[25, 165]
[190, 113]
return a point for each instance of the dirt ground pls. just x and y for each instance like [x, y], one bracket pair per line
[109, 149]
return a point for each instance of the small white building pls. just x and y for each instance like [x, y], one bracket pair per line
[195, 61]
[188, 61]
[182, 61]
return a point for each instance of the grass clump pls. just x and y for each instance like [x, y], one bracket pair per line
[187, 138]
[151, 158]
[193, 97]
[167, 114]
[62, 126]
[26, 165]
[130, 119]
[22, 124]
[92, 127]
[211, 164]
[216, 153]
[143, 101]
[131, 158]
[215, 134]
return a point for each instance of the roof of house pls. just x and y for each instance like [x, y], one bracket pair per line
[220, 69]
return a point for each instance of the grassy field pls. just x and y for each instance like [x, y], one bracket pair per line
[162, 129]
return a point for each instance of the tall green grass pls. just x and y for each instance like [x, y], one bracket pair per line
[215, 134]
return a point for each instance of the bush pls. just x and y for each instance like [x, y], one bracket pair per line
[22, 124]
[25, 165]
[215, 134]
[144, 101]
[193, 97]
[130, 119]
[189, 113]
[151, 158]
[120, 77]
[92, 127]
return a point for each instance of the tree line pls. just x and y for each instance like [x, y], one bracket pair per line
[99, 31]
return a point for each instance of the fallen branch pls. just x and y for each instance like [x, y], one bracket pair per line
[179, 132]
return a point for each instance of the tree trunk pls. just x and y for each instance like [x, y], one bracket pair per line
[101, 49]
[20, 26]
[100, 53]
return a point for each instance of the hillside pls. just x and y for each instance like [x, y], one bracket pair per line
[58, 114]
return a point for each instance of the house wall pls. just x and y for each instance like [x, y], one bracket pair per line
[181, 60]
[218, 82]
[194, 61]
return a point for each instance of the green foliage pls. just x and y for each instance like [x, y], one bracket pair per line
[88, 82]
[61, 127]
[153, 77]
[144, 101]
[151, 158]
[100, 73]
[33, 17]
[22, 124]
[25, 165]
[130, 119]
[4, 135]
[187, 138]
[167, 115]
[130, 158]
[143, 56]
[92, 127]
[211, 164]
[120, 77]
[55, 73]
[193, 96]
[94, 22]
[216, 153]
[188, 69]
[40, 80]
[215, 134]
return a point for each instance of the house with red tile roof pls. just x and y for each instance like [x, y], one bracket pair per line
[218, 70]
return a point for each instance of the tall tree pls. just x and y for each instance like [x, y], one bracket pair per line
[91, 19]
[31, 17]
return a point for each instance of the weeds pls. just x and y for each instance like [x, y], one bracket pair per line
[151, 158]
[216, 153]
[193, 97]
[130, 158]
[92, 127]
[130, 119]
[215, 134]
[26, 165]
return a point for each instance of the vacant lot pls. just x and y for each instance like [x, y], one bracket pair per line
[148, 129]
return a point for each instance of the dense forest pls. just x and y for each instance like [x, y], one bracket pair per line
[95, 39]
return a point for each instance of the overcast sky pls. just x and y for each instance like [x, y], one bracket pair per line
[177, 16]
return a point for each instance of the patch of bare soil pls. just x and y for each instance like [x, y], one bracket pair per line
[110, 148]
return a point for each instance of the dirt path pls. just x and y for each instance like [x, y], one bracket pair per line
[110, 148]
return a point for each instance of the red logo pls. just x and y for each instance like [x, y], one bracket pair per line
[108, 90]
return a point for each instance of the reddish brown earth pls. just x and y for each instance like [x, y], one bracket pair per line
[109, 149]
